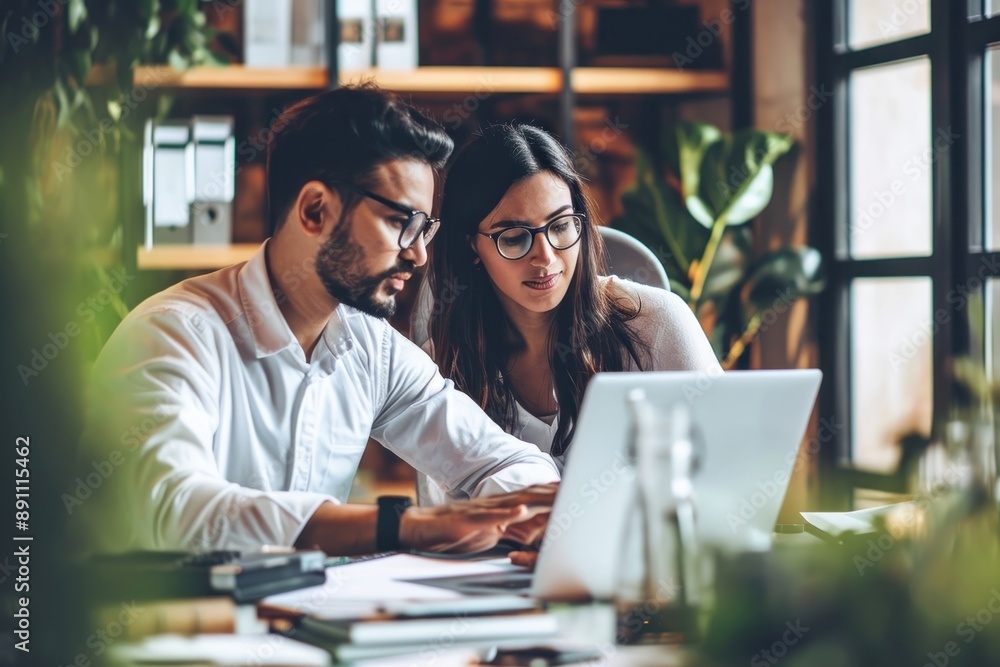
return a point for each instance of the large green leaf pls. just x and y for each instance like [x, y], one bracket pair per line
[737, 180]
[654, 214]
[76, 12]
[783, 276]
[684, 145]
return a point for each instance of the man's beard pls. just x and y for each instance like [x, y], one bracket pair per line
[339, 265]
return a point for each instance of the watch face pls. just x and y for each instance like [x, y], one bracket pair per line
[390, 509]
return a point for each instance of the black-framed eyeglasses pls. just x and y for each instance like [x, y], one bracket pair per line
[515, 242]
[417, 222]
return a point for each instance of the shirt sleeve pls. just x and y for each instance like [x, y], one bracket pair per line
[155, 405]
[443, 433]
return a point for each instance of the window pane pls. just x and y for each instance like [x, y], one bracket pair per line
[878, 21]
[891, 359]
[992, 237]
[891, 160]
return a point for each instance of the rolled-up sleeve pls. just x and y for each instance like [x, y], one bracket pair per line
[153, 413]
[441, 432]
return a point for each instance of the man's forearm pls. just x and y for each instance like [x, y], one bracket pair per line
[475, 525]
[340, 530]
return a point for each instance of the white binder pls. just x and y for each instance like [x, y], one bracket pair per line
[308, 33]
[267, 33]
[168, 182]
[214, 179]
[356, 44]
[396, 34]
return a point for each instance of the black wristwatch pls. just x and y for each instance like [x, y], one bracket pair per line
[390, 510]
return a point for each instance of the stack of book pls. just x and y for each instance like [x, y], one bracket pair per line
[425, 629]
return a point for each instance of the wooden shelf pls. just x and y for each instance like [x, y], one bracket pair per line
[481, 80]
[423, 79]
[634, 80]
[194, 257]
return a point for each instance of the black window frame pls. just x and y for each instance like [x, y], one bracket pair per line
[959, 38]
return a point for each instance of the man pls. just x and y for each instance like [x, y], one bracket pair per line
[233, 408]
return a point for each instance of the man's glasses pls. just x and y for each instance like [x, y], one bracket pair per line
[417, 222]
[515, 242]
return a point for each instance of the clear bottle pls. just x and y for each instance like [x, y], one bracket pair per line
[656, 588]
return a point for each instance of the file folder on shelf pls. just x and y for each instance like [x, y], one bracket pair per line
[267, 33]
[356, 47]
[397, 34]
[168, 182]
[214, 179]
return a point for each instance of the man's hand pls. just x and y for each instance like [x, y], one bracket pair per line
[478, 524]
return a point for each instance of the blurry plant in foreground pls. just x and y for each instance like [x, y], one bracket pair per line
[924, 589]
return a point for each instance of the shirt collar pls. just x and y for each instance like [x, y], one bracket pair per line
[268, 328]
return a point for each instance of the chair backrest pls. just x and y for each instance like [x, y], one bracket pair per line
[629, 258]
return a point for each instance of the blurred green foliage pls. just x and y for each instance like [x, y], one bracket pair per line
[873, 601]
[68, 109]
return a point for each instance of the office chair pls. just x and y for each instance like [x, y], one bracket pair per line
[628, 258]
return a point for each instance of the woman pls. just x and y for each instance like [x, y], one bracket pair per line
[523, 315]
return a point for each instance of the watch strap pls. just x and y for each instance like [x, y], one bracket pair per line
[390, 511]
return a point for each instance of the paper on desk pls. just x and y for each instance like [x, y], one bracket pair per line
[222, 650]
[363, 588]
[859, 522]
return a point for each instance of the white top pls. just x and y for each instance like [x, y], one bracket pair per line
[229, 439]
[665, 324]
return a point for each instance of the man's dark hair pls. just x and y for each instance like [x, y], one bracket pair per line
[343, 135]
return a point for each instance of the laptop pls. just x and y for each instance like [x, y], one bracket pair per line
[751, 424]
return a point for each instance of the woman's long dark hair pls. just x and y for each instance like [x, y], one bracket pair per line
[473, 338]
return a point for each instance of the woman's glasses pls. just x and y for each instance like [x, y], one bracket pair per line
[417, 223]
[515, 242]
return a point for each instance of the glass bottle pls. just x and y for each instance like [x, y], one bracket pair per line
[655, 594]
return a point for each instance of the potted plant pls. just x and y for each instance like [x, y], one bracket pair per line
[695, 207]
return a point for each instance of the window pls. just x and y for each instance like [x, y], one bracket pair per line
[909, 219]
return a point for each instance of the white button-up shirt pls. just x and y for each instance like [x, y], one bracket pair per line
[217, 433]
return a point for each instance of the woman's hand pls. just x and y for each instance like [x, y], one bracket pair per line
[526, 559]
